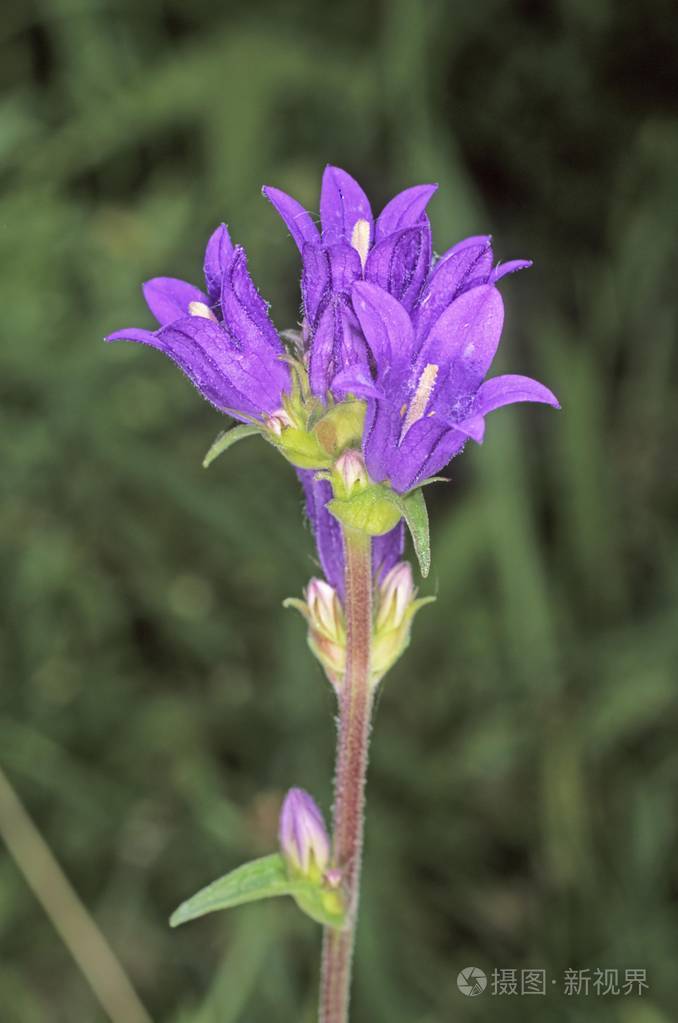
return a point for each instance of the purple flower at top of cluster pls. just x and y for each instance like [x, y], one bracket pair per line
[393, 251]
[386, 549]
[426, 391]
[222, 338]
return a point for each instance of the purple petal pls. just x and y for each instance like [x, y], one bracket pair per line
[502, 269]
[328, 270]
[144, 337]
[387, 329]
[218, 254]
[337, 343]
[168, 298]
[383, 423]
[244, 311]
[326, 529]
[342, 202]
[400, 262]
[467, 264]
[299, 222]
[442, 451]
[506, 390]
[463, 342]
[356, 380]
[200, 348]
[387, 550]
[404, 210]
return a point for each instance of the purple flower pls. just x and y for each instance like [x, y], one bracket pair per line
[427, 393]
[221, 338]
[386, 549]
[303, 837]
[394, 252]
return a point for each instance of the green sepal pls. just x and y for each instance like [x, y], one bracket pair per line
[413, 509]
[373, 511]
[226, 439]
[265, 878]
[301, 448]
[340, 427]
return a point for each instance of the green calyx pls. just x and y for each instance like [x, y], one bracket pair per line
[377, 508]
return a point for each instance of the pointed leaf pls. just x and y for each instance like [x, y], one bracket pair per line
[415, 513]
[226, 439]
[264, 878]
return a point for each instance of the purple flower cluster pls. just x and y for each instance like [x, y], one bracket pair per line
[383, 322]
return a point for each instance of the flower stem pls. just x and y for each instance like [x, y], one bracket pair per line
[355, 710]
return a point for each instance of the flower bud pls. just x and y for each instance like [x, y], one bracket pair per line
[304, 842]
[396, 607]
[350, 475]
[395, 594]
[326, 626]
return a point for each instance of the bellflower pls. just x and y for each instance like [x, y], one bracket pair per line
[222, 338]
[393, 251]
[427, 392]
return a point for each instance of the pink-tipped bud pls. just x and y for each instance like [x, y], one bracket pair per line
[324, 608]
[396, 593]
[303, 837]
[278, 421]
[350, 475]
[397, 605]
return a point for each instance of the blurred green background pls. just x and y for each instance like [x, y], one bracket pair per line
[156, 701]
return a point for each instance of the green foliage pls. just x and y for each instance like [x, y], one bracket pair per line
[156, 703]
[265, 878]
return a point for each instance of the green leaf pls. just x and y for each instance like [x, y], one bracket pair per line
[415, 513]
[226, 439]
[265, 878]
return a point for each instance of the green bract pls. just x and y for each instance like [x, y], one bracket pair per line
[265, 878]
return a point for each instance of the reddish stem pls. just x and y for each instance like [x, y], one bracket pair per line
[355, 710]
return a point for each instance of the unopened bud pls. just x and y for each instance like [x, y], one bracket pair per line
[396, 607]
[304, 842]
[395, 594]
[324, 613]
[350, 475]
[279, 421]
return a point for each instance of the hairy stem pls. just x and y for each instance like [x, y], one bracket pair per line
[355, 709]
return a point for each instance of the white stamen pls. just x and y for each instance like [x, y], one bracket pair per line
[360, 239]
[200, 309]
[421, 396]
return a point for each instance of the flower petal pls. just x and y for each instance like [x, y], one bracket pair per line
[400, 262]
[356, 380]
[144, 337]
[218, 254]
[326, 529]
[299, 222]
[342, 202]
[463, 343]
[509, 389]
[502, 269]
[168, 298]
[328, 270]
[404, 210]
[467, 264]
[388, 331]
[244, 311]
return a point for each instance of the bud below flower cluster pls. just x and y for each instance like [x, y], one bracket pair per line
[396, 608]
[304, 842]
[350, 475]
[326, 626]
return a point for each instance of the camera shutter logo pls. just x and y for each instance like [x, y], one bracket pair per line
[471, 981]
